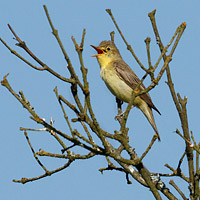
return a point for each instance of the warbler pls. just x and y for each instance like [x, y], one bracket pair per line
[121, 80]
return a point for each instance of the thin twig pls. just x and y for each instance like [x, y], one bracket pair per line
[149, 147]
[55, 33]
[112, 167]
[63, 110]
[177, 173]
[23, 45]
[79, 50]
[171, 182]
[88, 133]
[112, 34]
[34, 154]
[147, 41]
[65, 156]
[180, 161]
[20, 57]
[179, 133]
[171, 168]
[26, 180]
[128, 46]
[86, 140]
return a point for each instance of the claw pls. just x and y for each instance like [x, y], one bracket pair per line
[119, 115]
[122, 113]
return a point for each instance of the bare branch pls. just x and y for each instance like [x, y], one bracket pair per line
[35, 156]
[26, 180]
[128, 46]
[23, 45]
[69, 66]
[149, 147]
[178, 189]
[179, 103]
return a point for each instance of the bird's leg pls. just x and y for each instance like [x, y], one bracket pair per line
[119, 115]
[122, 113]
[119, 106]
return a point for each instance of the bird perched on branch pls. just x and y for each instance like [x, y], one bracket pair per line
[121, 80]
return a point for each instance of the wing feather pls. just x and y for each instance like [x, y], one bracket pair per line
[131, 79]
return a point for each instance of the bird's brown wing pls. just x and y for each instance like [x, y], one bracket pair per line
[131, 79]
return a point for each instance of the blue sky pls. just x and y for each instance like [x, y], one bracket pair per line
[82, 179]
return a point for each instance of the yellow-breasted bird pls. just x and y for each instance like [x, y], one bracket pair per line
[121, 80]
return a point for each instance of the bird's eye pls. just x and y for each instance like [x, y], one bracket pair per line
[108, 48]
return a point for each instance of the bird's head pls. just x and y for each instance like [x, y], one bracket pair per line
[107, 52]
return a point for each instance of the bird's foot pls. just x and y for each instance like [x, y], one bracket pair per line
[119, 116]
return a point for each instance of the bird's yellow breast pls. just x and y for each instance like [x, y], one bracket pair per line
[104, 60]
[115, 84]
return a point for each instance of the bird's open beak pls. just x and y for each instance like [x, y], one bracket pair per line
[99, 51]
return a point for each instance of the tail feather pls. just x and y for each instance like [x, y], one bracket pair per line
[149, 115]
[152, 122]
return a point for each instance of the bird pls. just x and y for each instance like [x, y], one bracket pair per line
[121, 80]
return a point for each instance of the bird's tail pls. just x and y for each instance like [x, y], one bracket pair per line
[149, 115]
